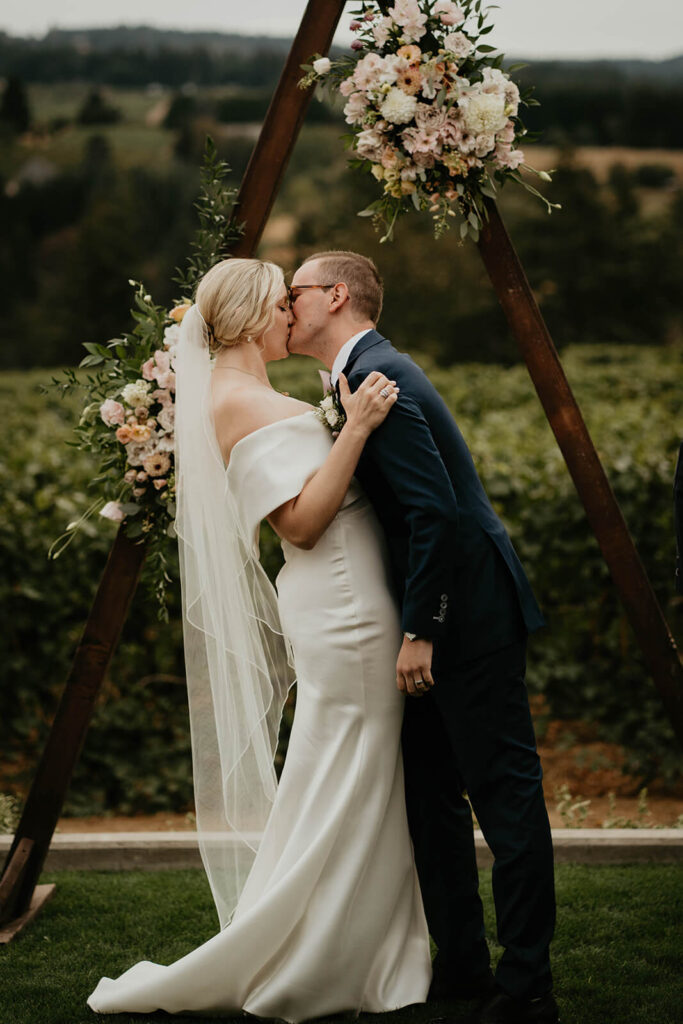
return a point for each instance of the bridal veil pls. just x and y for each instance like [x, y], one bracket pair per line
[237, 661]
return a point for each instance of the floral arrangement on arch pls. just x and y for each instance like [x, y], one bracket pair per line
[129, 410]
[435, 118]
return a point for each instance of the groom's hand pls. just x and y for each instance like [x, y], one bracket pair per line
[414, 667]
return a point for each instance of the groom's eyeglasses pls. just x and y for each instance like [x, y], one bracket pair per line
[293, 290]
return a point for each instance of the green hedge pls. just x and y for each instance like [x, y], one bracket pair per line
[586, 663]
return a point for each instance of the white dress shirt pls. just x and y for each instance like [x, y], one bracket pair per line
[344, 354]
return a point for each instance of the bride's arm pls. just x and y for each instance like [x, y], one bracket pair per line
[303, 520]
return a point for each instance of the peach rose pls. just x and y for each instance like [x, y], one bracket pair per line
[140, 432]
[124, 434]
[178, 312]
[410, 53]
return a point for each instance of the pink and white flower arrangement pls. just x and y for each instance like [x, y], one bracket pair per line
[435, 117]
[141, 418]
[129, 422]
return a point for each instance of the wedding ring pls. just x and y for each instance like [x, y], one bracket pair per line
[385, 392]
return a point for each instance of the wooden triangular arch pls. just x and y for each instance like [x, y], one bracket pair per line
[262, 178]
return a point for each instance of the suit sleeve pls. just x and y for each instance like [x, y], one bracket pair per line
[404, 454]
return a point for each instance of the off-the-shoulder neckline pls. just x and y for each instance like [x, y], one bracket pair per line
[267, 426]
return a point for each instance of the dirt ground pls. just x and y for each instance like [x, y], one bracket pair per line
[584, 785]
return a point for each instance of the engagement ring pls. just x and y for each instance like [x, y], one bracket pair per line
[385, 392]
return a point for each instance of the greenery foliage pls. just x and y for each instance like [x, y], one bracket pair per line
[586, 663]
[114, 368]
[624, 918]
[70, 244]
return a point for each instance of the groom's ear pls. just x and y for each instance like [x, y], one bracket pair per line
[339, 296]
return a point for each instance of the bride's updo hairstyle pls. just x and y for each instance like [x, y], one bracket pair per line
[237, 300]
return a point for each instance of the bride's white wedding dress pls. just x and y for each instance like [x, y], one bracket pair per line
[330, 918]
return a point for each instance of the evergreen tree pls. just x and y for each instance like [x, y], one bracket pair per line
[14, 109]
[96, 110]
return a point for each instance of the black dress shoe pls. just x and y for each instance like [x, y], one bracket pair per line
[501, 1008]
[445, 985]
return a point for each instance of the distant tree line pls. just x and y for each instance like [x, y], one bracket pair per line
[602, 103]
[625, 113]
[69, 245]
[34, 62]
[605, 268]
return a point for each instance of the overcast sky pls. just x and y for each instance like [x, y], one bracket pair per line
[534, 28]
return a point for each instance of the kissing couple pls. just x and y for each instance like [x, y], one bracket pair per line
[402, 612]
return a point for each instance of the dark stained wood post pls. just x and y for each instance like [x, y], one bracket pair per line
[282, 124]
[48, 790]
[604, 515]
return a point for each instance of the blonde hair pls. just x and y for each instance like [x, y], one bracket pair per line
[359, 274]
[237, 300]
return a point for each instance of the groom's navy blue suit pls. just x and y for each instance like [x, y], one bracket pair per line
[461, 584]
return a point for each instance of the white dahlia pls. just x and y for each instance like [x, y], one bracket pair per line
[398, 106]
[484, 113]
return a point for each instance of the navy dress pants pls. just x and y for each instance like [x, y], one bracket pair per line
[473, 733]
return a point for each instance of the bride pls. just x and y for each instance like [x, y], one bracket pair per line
[313, 879]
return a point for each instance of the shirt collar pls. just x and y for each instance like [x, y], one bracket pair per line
[344, 354]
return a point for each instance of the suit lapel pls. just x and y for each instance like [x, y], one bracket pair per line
[368, 340]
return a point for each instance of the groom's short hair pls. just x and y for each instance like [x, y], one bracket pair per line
[359, 274]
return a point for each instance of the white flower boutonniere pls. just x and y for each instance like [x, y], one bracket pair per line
[331, 412]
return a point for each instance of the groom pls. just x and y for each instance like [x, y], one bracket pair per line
[466, 610]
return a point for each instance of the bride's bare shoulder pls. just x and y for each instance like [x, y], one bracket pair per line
[240, 411]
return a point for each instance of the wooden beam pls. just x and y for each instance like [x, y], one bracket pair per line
[282, 124]
[604, 515]
[40, 896]
[93, 654]
[16, 865]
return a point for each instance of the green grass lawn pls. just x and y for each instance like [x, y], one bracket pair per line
[616, 957]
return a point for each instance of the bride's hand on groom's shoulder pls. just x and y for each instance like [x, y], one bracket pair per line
[370, 404]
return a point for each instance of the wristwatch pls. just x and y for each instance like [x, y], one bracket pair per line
[410, 636]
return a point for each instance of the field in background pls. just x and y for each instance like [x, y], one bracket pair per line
[139, 140]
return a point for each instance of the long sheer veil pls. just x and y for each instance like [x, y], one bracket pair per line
[237, 660]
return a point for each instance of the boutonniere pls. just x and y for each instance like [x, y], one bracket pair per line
[331, 412]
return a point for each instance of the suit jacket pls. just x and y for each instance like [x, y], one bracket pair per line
[458, 577]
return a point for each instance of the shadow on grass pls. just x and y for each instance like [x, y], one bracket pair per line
[616, 955]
